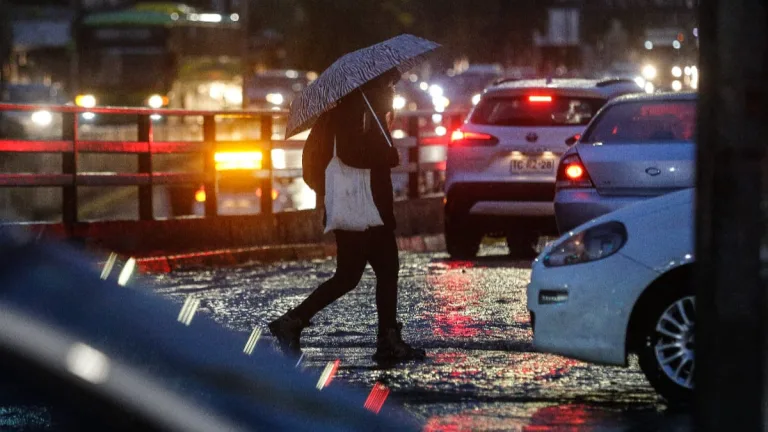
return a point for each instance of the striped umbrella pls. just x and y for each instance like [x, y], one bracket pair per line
[352, 71]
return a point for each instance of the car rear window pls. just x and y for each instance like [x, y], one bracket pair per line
[637, 122]
[535, 110]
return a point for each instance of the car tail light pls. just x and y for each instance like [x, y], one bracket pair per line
[540, 98]
[471, 139]
[571, 173]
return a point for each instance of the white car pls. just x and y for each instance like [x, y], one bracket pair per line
[500, 170]
[621, 284]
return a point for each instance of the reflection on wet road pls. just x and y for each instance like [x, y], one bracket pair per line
[481, 374]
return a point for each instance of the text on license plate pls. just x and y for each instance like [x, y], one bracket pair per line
[532, 165]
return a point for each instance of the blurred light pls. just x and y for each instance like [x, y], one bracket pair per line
[694, 70]
[85, 101]
[413, 78]
[227, 161]
[649, 72]
[278, 159]
[476, 99]
[42, 118]
[156, 101]
[275, 98]
[126, 272]
[574, 171]
[441, 102]
[696, 32]
[536, 98]
[251, 343]
[291, 74]
[275, 194]
[200, 195]
[424, 86]
[328, 373]
[194, 17]
[311, 76]
[649, 88]
[233, 95]
[89, 116]
[437, 118]
[677, 85]
[677, 72]
[440, 109]
[217, 90]
[188, 310]
[648, 45]
[547, 154]
[441, 131]
[234, 17]
[457, 135]
[398, 102]
[435, 90]
[174, 16]
[210, 17]
[398, 134]
[108, 266]
[687, 70]
[676, 44]
[87, 363]
[376, 398]
[640, 81]
[156, 117]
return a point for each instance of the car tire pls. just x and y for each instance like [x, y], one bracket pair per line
[461, 242]
[666, 354]
[521, 244]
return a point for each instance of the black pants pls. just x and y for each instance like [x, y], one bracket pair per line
[376, 246]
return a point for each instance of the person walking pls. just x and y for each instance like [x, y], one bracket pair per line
[361, 143]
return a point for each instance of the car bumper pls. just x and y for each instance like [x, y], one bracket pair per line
[574, 207]
[582, 311]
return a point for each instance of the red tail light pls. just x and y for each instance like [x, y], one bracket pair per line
[539, 98]
[571, 173]
[464, 138]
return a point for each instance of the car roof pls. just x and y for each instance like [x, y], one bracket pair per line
[608, 87]
[656, 97]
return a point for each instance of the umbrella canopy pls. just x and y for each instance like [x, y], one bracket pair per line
[352, 71]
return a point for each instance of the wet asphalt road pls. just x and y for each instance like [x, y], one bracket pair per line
[482, 372]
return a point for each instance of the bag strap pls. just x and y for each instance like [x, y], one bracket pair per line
[378, 122]
[334, 145]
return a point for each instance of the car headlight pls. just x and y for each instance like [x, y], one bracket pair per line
[156, 101]
[85, 101]
[275, 98]
[592, 244]
[476, 99]
[398, 102]
[42, 118]
[649, 72]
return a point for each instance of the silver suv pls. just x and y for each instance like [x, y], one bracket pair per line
[500, 173]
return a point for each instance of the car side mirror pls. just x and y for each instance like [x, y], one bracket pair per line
[572, 140]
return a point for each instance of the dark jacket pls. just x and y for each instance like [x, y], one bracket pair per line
[360, 143]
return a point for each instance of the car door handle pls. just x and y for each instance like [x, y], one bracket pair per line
[652, 171]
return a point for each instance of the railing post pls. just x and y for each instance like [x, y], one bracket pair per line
[69, 166]
[146, 208]
[209, 166]
[266, 164]
[413, 157]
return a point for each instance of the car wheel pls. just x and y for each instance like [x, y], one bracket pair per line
[461, 241]
[521, 244]
[666, 355]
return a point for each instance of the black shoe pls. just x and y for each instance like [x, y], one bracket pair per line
[287, 331]
[390, 347]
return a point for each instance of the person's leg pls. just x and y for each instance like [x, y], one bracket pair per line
[350, 265]
[382, 254]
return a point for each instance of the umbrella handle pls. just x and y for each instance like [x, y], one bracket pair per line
[378, 122]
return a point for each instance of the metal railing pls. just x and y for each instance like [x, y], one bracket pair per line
[70, 146]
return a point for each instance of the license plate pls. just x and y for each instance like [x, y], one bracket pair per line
[532, 165]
